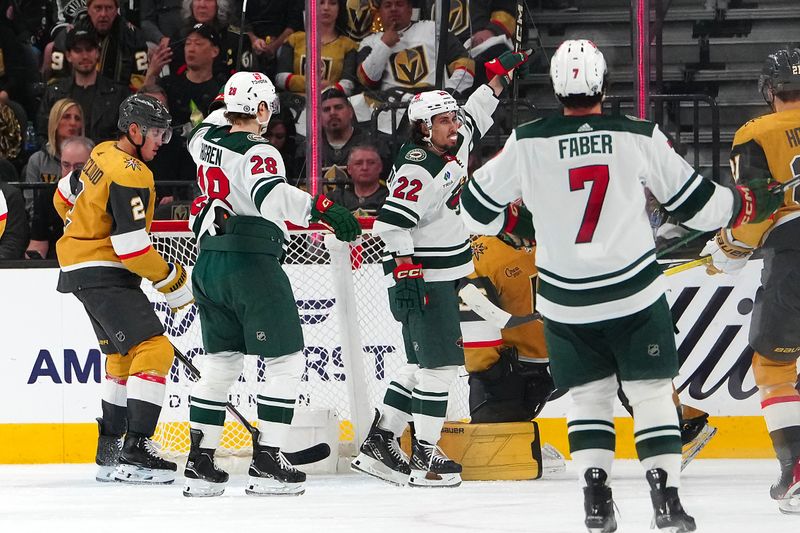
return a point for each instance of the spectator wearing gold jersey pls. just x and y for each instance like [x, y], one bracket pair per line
[338, 55]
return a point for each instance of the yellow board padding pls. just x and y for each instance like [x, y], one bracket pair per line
[739, 437]
[491, 452]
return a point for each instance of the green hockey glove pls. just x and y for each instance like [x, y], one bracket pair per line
[755, 202]
[505, 63]
[344, 225]
[409, 288]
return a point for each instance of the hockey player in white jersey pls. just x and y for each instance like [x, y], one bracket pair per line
[244, 297]
[600, 289]
[427, 250]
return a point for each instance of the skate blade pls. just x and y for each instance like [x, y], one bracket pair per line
[421, 478]
[790, 504]
[692, 448]
[137, 475]
[268, 486]
[105, 474]
[372, 467]
[552, 460]
[200, 488]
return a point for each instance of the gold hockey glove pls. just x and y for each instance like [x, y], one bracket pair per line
[174, 287]
[728, 255]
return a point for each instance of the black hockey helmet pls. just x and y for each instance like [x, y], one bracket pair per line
[144, 110]
[781, 73]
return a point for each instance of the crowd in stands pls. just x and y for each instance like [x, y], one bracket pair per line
[66, 65]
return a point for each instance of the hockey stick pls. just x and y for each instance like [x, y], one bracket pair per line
[780, 189]
[517, 48]
[312, 454]
[241, 41]
[488, 311]
[688, 265]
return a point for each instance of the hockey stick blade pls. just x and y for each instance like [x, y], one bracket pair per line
[309, 455]
[315, 453]
[686, 266]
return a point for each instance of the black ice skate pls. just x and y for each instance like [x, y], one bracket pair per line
[140, 464]
[598, 503]
[271, 474]
[787, 489]
[695, 434]
[203, 477]
[669, 513]
[380, 456]
[430, 467]
[109, 448]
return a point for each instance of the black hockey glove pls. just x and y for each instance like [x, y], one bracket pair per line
[344, 225]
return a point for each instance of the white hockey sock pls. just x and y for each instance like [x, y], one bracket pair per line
[429, 401]
[115, 405]
[396, 411]
[656, 428]
[210, 394]
[278, 396]
[590, 425]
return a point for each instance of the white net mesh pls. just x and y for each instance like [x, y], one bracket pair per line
[337, 323]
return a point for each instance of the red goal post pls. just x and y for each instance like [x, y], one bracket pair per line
[353, 345]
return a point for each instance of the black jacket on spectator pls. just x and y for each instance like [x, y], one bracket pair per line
[100, 118]
[332, 156]
[161, 19]
[228, 50]
[15, 238]
[369, 205]
[271, 17]
[18, 69]
[126, 64]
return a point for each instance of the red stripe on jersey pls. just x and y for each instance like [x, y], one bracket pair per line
[483, 344]
[466, 69]
[135, 254]
[3, 216]
[150, 377]
[370, 81]
[66, 200]
[779, 399]
[288, 79]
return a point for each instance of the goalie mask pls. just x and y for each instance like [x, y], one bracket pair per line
[578, 68]
[781, 73]
[246, 90]
[425, 106]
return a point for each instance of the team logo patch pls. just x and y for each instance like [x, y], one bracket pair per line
[653, 350]
[478, 249]
[416, 346]
[120, 336]
[417, 154]
[261, 336]
[132, 163]
[359, 18]
[256, 138]
[409, 66]
[513, 272]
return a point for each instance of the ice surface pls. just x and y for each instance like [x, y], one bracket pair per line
[725, 496]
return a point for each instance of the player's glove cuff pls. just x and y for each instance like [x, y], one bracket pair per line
[519, 224]
[727, 254]
[409, 287]
[174, 287]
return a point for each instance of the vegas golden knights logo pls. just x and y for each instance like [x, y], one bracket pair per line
[326, 66]
[359, 18]
[409, 66]
[459, 16]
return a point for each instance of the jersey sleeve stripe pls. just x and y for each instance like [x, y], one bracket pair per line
[695, 202]
[134, 254]
[476, 209]
[410, 213]
[693, 182]
[485, 198]
[263, 187]
[391, 218]
[131, 244]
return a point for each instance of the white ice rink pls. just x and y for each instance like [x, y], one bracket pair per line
[725, 496]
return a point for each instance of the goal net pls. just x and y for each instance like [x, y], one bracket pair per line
[353, 345]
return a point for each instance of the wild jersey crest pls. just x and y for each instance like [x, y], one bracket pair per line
[359, 18]
[410, 66]
[416, 155]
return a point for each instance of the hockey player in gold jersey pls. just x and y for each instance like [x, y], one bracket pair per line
[769, 147]
[104, 254]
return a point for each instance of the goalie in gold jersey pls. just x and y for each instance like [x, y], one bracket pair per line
[769, 147]
[104, 254]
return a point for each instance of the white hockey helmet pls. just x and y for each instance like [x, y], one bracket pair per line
[245, 90]
[578, 68]
[425, 106]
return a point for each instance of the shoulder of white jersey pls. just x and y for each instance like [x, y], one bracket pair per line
[239, 142]
[413, 159]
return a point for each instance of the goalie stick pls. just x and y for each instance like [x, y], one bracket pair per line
[478, 302]
[312, 454]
